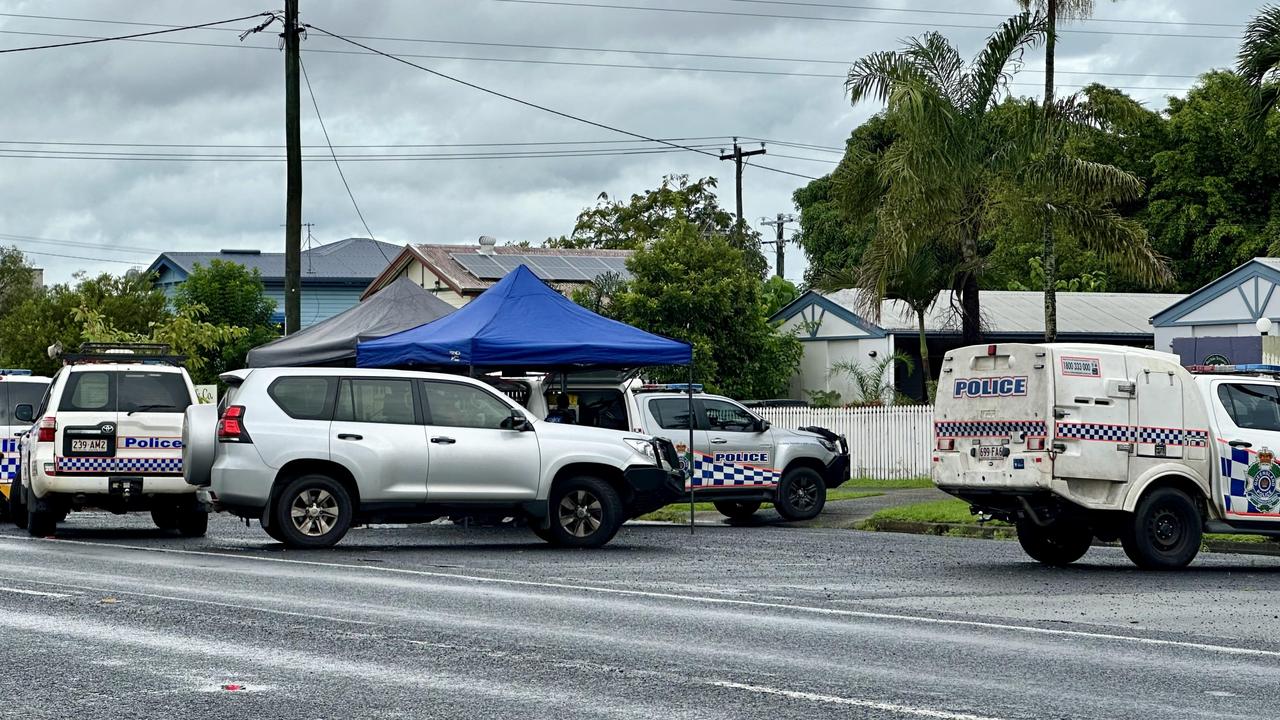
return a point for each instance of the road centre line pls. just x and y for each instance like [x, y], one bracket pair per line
[789, 607]
[853, 702]
[20, 591]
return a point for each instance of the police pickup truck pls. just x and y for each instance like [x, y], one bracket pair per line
[739, 460]
[1077, 442]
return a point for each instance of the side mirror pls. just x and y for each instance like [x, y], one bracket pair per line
[24, 412]
[517, 421]
[762, 425]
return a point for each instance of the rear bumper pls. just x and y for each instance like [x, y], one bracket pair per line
[653, 487]
[42, 485]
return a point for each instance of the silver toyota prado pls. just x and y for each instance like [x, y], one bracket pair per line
[310, 451]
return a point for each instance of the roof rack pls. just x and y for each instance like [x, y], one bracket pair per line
[140, 353]
[1243, 369]
[14, 371]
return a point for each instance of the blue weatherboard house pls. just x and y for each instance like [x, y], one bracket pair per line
[333, 276]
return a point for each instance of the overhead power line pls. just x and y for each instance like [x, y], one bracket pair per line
[544, 108]
[133, 36]
[721, 138]
[8, 237]
[237, 157]
[869, 21]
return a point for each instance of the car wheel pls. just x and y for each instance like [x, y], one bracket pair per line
[273, 531]
[1058, 545]
[313, 511]
[165, 517]
[193, 523]
[801, 495]
[737, 509]
[41, 523]
[17, 508]
[541, 532]
[1166, 531]
[585, 512]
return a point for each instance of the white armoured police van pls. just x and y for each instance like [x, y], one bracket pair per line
[1076, 442]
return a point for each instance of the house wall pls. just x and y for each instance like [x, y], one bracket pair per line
[319, 302]
[1227, 307]
[426, 279]
[827, 340]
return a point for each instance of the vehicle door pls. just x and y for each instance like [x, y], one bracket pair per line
[1247, 416]
[13, 394]
[739, 450]
[475, 453]
[669, 417]
[86, 438]
[1093, 412]
[377, 433]
[150, 405]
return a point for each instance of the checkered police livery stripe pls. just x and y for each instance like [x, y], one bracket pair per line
[710, 474]
[1095, 431]
[154, 466]
[1197, 438]
[1235, 477]
[1131, 433]
[9, 461]
[988, 428]
[1155, 435]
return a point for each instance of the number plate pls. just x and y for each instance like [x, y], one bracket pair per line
[98, 445]
[990, 452]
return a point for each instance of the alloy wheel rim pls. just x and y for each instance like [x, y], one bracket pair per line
[581, 513]
[804, 494]
[314, 512]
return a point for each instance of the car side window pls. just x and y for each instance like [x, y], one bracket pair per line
[92, 391]
[375, 400]
[1251, 407]
[727, 417]
[305, 397]
[671, 413]
[458, 405]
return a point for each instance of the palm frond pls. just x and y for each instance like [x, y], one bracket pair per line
[990, 69]
[876, 75]
[1120, 242]
[1056, 173]
[940, 63]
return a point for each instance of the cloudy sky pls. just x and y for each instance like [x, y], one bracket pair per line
[63, 112]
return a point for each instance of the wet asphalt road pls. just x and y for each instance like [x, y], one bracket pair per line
[114, 619]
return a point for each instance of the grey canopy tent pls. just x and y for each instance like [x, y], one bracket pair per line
[399, 306]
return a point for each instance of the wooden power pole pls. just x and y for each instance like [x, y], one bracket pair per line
[780, 244]
[737, 156]
[293, 174]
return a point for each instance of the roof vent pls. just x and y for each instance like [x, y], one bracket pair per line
[234, 251]
[486, 244]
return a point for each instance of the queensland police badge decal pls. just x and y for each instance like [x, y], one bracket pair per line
[1260, 486]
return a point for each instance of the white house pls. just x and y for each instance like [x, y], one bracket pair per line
[1218, 322]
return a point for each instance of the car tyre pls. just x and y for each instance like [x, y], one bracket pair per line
[165, 517]
[312, 511]
[273, 531]
[801, 495]
[41, 523]
[1166, 531]
[585, 512]
[737, 509]
[17, 508]
[193, 523]
[1058, 545]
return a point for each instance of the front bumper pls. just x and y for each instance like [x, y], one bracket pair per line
[654, 487]
[837, 472]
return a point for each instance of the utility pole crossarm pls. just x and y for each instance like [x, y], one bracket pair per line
[779, 224]
[738, 156]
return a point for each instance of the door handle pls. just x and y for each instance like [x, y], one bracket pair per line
[443, 440]
[718, 441]
[349, 436]
[1240, 444]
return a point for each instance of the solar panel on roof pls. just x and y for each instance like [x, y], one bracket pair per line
[553, 268]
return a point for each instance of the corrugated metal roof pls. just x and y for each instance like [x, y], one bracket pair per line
[352, 258]
[1022, 312]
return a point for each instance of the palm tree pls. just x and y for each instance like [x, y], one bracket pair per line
[953, 171]
[1052, 11]
[1259, 61]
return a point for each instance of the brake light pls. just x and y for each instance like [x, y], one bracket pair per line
[231, 425]
[48, 428]
[946, 443]
[1035, 443]
[991, 349]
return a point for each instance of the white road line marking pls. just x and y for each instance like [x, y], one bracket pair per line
[835, 612]
[20, 591]
[854, 702]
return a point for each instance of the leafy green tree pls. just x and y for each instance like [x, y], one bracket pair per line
[17, 279]
[644, 218]
[776, 293]
[232, 296]
[1258, 63]
[873, 381]
[953, 173]
[184, 332]
[699, 288]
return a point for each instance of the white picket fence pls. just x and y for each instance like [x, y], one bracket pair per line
[884, 443]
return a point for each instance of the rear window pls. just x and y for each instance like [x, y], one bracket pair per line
[305, 397]
[125, 391]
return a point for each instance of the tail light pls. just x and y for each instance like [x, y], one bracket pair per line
[946, 443]
[1035, 443]
[231, 425]
[48, 428]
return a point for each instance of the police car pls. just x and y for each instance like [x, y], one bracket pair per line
[108, 435]
[1077, 442]
[740, 461]
[17, 387]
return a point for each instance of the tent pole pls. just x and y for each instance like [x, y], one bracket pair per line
[690, 454]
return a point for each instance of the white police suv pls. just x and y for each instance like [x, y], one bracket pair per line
[17, 387]
[108, 435]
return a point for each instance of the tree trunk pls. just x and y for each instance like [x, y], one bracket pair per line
[925, 371]
[970, 310]
[1050, 258]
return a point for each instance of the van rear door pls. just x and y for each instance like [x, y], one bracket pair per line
[1093, 407]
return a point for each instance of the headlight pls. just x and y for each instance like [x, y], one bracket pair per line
[828, 444]
[644, 447]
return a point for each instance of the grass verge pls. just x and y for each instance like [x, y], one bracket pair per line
[897, 484]
[679, 512]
